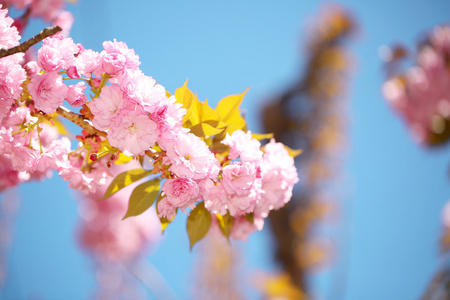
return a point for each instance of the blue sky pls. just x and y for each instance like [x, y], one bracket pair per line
[393, 190]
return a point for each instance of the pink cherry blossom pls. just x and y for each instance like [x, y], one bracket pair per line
[116, 57]
[48, 91]
[75, 95]
[108, 107]
[9, 36]
[190, 157]
[239, 178]
[166, 209]
[181, 192]
[279, 176]
[88, 62]
[135, 133]
[11, 77]
[243, 145]
[57, 53]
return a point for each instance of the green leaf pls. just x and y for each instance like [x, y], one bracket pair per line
[124, 179]
[225, 223]
[198, 223]
[142, 198]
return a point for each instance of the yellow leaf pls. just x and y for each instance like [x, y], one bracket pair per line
[184, 95]
[293, 152]
[198, 223]
[124, 179]
[262, 136]
[204, 129]
[142, 198]
[235, 121]
[229, 105]
[123, 159]
[60, 126]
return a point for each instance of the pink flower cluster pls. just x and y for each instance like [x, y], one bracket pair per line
[252, 182]
[422, 95]
[129, 114]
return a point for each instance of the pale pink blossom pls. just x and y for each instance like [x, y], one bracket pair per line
[141, 88]
[166, 209]
[116, 57]
[48, 91]
[86, 181]
[279, 176]
[12, 75]
[8, 176]
[190, 157]
[108, 107]
[169, 118]
[239, 205]
[239, 178]
[215, 197]
[88, 62]
[75, 95]
[135, 133]
[9, 36]
[181, 192]
[243, 145]
[57, 53]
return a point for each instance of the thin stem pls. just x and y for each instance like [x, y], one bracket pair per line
[49, 31]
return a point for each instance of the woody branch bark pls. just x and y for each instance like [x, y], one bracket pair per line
[79, 120]
[49, 31]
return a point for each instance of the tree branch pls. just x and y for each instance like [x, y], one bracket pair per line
[78, 119]
[49, 31]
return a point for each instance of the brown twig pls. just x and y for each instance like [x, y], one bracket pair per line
[79, 120]
[49, 31]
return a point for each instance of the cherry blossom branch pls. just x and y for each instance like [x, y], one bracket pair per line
[79, 120]
[49, 31]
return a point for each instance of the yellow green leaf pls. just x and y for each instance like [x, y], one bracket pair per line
[123, 159]
[250, 217]
[142, 198]
[262, 136]
[226, 224]
[124, 179]
[198, 223]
